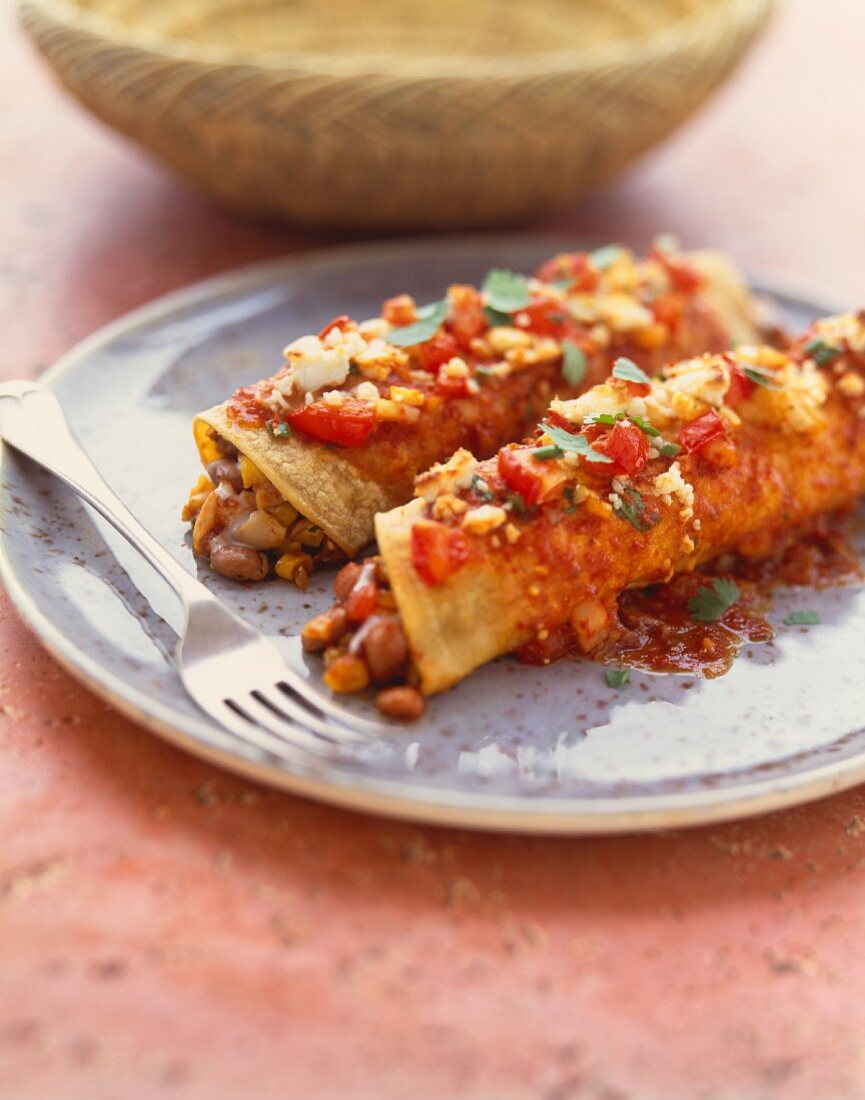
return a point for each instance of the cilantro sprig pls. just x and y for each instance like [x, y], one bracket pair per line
[481, 488]
[628, 371]
[429, 321]
[632, 507]
[802, 618]
[574, 363]
[617, 677]
[602, 258]
[709, 602]
[759, 378]
[574, 444]
[821, 352]
[506, 291]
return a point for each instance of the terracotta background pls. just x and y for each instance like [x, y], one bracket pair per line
[168, 930]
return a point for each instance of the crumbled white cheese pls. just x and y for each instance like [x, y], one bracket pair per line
[671, 484]
[450, 476]
[704, 380]
[503, 338]
[314, 364]
[366, 391]
[487, 517]
[845, 328]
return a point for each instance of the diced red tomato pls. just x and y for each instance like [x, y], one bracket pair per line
[522, 473]
[559, 421]
[571, 265]
[343, 321]
[701, 430]
[362, 599]
[547, 317]
[741, 386]
[466, 319]
[682, 275]
[347, 425]
[452, 387]
[627, 446]
[440, 349]
[437, 552]
[400, 310]
[667, 310]
[246, 408]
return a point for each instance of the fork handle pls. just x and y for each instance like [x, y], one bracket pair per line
[32, 421]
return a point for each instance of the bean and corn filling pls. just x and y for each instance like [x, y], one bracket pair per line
[400, 374]
[630, 451]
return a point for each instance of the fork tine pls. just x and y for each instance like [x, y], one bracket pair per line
[256, 710]
[291, 709]
[311, 696]
[246, 731]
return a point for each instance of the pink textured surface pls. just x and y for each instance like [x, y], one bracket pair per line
[168, 930]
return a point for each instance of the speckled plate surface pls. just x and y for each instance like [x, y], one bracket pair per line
[544, 750]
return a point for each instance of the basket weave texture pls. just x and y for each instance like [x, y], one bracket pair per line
[381, 139]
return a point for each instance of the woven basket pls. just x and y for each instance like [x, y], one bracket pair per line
[393, 113]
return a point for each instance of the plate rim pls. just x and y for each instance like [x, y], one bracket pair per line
[480, 810]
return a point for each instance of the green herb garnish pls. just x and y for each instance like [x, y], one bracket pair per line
[821, 352]
[480, 487]
[572, 505]
[802, 618]
[279, 429]
[574, 363]
[633, 509]
[353, 368]
[669, 450]
[544, 454]
[486, 372]
[518, 504]
[506, 290]
[628, 371]
[562, 285]
[617, 677]
[496, 318]
[602, 258]
[709, 603]
[574, 444]
[761, 379]
[429, 321]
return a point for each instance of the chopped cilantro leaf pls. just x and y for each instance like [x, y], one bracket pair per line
[429, 320]
[574, 363]
[517, 504]
[802, 618]
[602, 258]
[496, 317]
[544, 454]
[486, 372]
[575, 444]
[645, 427]
[709, 602]
[628, 371]
[481, 488]
[821, 352]
[633, 509]
[279, 429]
[617, 677]
[506, 291]
[562, 285]
[603, 418]
[761, 379]
[669, 450]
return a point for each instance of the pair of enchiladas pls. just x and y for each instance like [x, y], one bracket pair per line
[676, 437]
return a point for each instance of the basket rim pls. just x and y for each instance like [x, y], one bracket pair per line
[727, 18]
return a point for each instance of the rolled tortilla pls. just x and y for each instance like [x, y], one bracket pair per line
[786, 449]
[341, 490]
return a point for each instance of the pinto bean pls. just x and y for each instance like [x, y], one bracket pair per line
[404, 703]
[324, 630]
[345, 581]
[385, 650]
[239, 563]
[225, 469]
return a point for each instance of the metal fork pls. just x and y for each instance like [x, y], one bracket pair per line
[228, 667]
